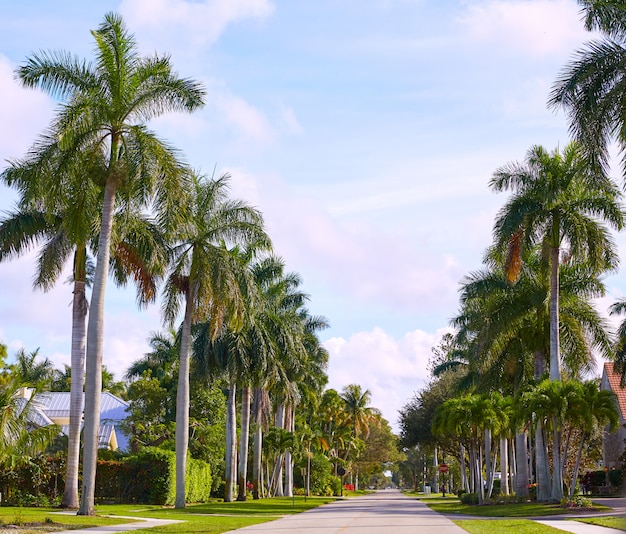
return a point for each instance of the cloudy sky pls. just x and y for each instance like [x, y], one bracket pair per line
[366, 132]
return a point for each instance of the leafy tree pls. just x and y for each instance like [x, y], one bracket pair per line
[558, 201]
[590, 87]
[206, 277]
[105, 105]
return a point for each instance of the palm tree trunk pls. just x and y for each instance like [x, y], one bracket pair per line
[488, 464]
[542, 468]
[257, 469]
[231, 441]
[557, 472]
[464, 480]
[436, 468]
[572, 488]
[79, 337]
[182, 402]
[521, 461]
[278, 468]
[504, 466]
[243, 444]
[555, 357]
[290, 425]
[93, 355]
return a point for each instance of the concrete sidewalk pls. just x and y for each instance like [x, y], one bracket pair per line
[140, 522]
[576, 527]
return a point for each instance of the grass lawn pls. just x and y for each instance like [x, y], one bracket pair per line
[213, 518]
[498, 526]
[217, 516]
[611, 522]
[36, 520]
[453, 506]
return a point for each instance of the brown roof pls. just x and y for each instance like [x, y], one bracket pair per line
[615, 383]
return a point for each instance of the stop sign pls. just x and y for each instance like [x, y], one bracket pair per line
[443, 468]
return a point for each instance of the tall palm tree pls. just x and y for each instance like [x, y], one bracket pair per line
[106, 105]
[590, 87]
[594, 408]
[205, 277]
[66, 234]
[508, 325]
[560, 203]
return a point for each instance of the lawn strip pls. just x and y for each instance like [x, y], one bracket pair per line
[49, 519]
[453, 506]
[501, 526]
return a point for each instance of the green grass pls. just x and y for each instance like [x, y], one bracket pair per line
[618, 523]
[498, 526]
[48, 520]
[453, 506]
[217, 516]
[213, 518]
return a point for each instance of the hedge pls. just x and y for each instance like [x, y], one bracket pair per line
[150, 478]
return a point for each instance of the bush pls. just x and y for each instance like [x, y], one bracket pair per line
[335, 485]
[469, 498]
[578, 501]
[150, 478]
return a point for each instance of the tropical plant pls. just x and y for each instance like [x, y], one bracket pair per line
[590, 87]
[105, 105]
[559, 203]
[210, 280]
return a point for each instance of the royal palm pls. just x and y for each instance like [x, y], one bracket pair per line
[208, 278]
[558, 203]
[106, 105]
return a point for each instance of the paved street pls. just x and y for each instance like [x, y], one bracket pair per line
[384, 512]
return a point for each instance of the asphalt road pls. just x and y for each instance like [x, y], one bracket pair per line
[383, 512]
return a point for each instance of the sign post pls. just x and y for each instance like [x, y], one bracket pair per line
[443, 469]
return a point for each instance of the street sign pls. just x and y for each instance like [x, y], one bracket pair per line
[443, 468]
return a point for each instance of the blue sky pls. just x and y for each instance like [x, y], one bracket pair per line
[366, 132]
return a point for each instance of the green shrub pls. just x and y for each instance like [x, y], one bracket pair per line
[578, 501]
[150, 478]
[469, 498]
[335, 485]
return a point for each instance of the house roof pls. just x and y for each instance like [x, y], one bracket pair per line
[613, 380]
[56, 405]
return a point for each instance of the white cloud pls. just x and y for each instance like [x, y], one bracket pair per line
[356, 261]
[537, 28]
[247, 120]
[392, 369]
[202, 22]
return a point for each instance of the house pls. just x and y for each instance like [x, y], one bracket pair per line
[613, 444]
[54, 408]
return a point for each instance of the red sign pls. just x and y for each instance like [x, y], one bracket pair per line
[443, 468]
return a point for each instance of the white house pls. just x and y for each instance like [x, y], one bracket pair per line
[54, 408]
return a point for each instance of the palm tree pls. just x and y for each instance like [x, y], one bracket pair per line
[506, 324]
[106, 105]
[549, 401]
[593, 407]
[590, 87]
[66, 234]
[20, 439]
[558, 202]
[206, 277]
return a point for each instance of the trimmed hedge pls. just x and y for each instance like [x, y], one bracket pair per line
[150, 478]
